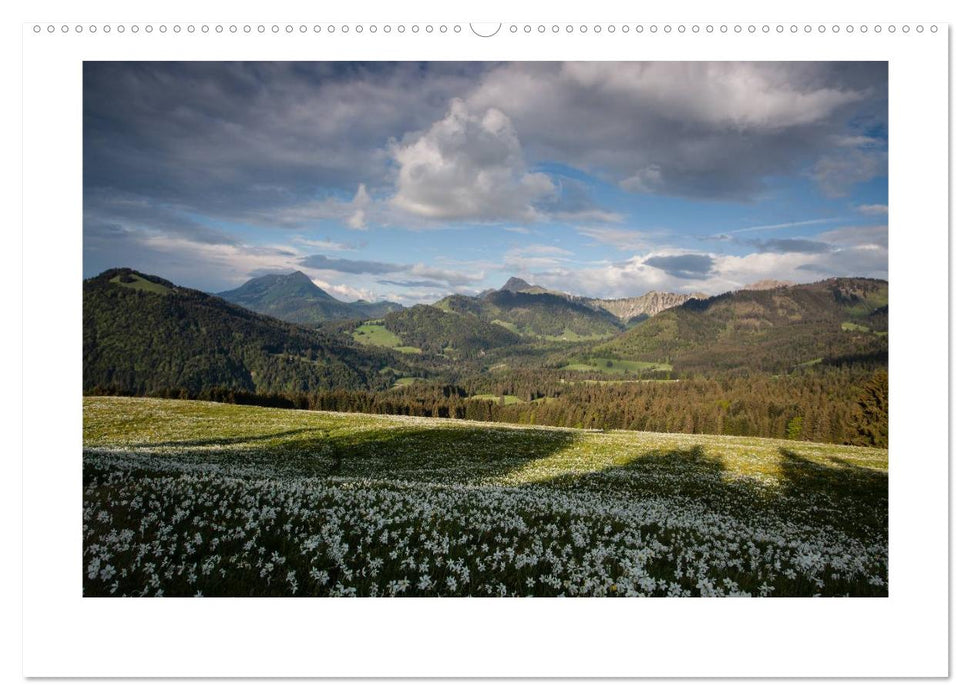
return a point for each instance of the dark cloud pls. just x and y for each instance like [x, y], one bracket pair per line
[142, 215]
[792, 245]
[688, 266]
[817, 268]
[240, 140]
[236, 139]
[184, 262]
[700, 130]
[352, 267]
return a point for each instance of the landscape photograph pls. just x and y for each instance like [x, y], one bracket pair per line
[482, 329]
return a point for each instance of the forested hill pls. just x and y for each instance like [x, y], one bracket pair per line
[295, 298]
[769, 330]
[144, 334]
[435, 331]
[532, 313]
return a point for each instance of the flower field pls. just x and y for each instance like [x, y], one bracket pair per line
[185, 498]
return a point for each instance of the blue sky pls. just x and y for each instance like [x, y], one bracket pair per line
[410, 181]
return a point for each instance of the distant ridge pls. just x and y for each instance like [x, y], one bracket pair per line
[295, 298]
[774, 329]
[626, 310]
[633, 309]
[768, 284]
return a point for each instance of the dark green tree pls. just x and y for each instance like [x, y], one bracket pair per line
[871, 419]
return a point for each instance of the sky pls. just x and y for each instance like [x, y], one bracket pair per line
[412, 181]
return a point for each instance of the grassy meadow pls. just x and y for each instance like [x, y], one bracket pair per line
[187, 498]
[611, 366]
[377, 334]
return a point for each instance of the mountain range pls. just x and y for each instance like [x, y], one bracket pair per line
[143, 334]
[295, 298]
[525, 309]
[628, 309]
[771, 329]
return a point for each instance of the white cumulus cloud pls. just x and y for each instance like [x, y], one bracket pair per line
[469, 165]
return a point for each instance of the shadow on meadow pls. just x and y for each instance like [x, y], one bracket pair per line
[839, 494]
[835, 493]
[457, 454]
[797, 493]
[854, 498]
[452, 454]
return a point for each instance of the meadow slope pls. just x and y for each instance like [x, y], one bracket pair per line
[193, 498]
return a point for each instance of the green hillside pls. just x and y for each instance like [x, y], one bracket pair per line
[538, 314]
[436, 332]
[144, 334]
[769, 330]
[376, 333]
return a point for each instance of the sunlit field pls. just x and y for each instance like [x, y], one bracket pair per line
[185, 498]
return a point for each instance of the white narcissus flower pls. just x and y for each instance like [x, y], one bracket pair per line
[220, 520]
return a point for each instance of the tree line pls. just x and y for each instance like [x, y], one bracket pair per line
[842, 405]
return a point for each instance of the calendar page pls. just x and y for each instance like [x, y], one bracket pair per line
[437, 347]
